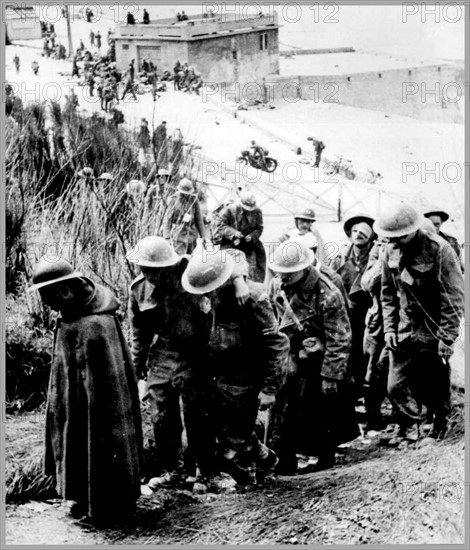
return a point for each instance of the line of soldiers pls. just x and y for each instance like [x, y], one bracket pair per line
[215, 348]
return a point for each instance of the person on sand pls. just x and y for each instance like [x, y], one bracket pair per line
[93, 436]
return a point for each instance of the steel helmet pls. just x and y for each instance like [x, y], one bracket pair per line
[185, 187]
[436, 212]
[291, 256]
[106, 176]
[248, 201]
[350, 222]
[240, 263]
[136, 187]
[153, 252]
[204, 273]
[398, 221]
[50, 270]
[163, 172]
[86, 172]
[305, 213]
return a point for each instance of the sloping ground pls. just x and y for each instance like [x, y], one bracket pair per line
[375, 495]
[412, 496]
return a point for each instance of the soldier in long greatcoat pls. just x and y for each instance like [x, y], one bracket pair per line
[93, 424]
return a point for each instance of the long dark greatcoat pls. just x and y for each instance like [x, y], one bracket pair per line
[93, 424]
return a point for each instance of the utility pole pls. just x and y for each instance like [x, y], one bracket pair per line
[69, 30]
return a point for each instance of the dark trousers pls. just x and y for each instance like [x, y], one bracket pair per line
[308, 422]
[128, 89]
[169, 381]
[417, 377]
[235, 413]
[375, 381]
[357, 362]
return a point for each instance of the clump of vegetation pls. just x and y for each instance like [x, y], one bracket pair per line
[53, 209]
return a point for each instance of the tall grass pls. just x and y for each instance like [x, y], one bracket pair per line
[52, 210]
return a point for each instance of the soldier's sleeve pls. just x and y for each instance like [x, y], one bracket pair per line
[451, 286]
[275, 343]
[337, 336]
[225, 223]
[257, 226]
[198, 220]
[372, 276]
[141, 338]
[389, 298]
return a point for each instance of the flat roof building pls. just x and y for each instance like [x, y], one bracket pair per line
[22, 23]
[222, 49]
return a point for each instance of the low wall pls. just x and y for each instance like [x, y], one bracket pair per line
[316, 51]
[434, 93]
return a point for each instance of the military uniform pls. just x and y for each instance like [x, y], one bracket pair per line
[183, 223]
[454, 243]
[423, 303]
[351, 268]
[306, 420]
[168, 335]
[247, 356]
[375, 381]
[235, 219]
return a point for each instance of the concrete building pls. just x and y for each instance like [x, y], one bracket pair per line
[22, 23]
[222, 49]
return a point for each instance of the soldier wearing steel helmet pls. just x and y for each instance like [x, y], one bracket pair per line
[304, 219]
[247, 354]
[438, 217]
[241, 226]
[183, 222]
[174, 362]
[423, 304]
[350, 262]
[93, 435]
[315, 410]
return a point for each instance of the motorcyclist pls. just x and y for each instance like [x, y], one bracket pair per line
[258, 153]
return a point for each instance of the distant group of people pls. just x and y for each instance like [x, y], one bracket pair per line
[181, 16]
[186, 79]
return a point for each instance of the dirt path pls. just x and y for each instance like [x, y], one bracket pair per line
[407, 496]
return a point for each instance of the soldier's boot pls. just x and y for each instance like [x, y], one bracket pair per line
[406, 435]
[438, 431]
[287, 465]
[266, 461]
[240, 471]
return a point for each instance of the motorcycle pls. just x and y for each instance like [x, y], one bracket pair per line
[269, 164]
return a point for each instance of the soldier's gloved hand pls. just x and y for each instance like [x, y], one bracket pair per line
[390, 340]
[329, 387]
[265, 400]
[445, 350]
